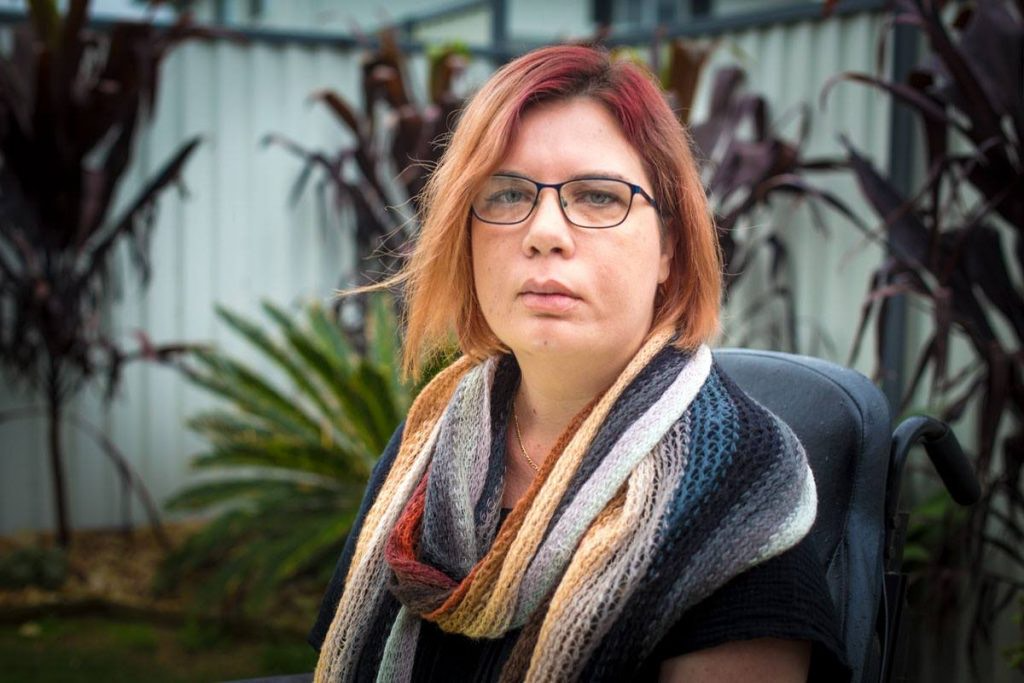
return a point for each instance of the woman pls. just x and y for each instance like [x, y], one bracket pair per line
[574, 496]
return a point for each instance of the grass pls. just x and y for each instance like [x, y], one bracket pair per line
[72, 649]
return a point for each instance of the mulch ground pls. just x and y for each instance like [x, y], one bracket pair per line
[109, 570]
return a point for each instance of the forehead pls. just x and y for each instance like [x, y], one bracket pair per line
[557, 140]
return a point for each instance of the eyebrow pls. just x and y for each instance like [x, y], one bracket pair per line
[575, 176]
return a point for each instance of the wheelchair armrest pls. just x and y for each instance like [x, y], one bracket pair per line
[943, 450]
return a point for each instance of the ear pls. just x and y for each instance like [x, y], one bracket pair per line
[668, 250]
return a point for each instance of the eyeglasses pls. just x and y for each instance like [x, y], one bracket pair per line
[585, 202]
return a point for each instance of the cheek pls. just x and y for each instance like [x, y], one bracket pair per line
[486, 272]
[636, 271]
[485, 289]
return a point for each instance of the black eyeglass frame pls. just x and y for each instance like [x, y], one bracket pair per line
[634, 191]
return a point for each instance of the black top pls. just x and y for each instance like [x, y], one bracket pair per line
[785, 597]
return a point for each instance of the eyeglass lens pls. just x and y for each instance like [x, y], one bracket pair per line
[592, 203]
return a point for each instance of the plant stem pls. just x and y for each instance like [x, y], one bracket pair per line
[54, 405]
[129, 479]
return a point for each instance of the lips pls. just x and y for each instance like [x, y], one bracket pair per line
[547, 287]
[548, 296]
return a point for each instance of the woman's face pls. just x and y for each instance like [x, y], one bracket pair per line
[549, 287]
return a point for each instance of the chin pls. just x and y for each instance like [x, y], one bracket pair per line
[555, 340]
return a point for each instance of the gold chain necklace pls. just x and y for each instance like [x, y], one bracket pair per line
[519, 437]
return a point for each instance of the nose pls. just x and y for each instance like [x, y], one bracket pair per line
[547, 229]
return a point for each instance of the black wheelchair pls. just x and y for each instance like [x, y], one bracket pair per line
[844, 423]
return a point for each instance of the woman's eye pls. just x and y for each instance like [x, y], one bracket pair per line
[507, 197]
[597, 198]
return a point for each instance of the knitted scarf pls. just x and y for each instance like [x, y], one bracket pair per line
[671, 483]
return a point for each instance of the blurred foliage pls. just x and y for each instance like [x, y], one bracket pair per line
[72, 101]
[750, 169]
[116, 649]
[395, 142]
[293, 455]
[24, 567]
[950, 247]
[1015, 654]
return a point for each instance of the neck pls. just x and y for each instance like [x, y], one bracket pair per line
[552, 392]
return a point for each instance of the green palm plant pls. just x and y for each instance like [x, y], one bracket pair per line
[293, 462]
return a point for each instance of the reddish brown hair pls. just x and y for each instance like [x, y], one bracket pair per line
[438, 278]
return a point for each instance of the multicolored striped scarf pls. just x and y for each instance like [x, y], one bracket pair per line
[671, 483]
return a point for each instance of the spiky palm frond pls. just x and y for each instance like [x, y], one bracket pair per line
[293, 457]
